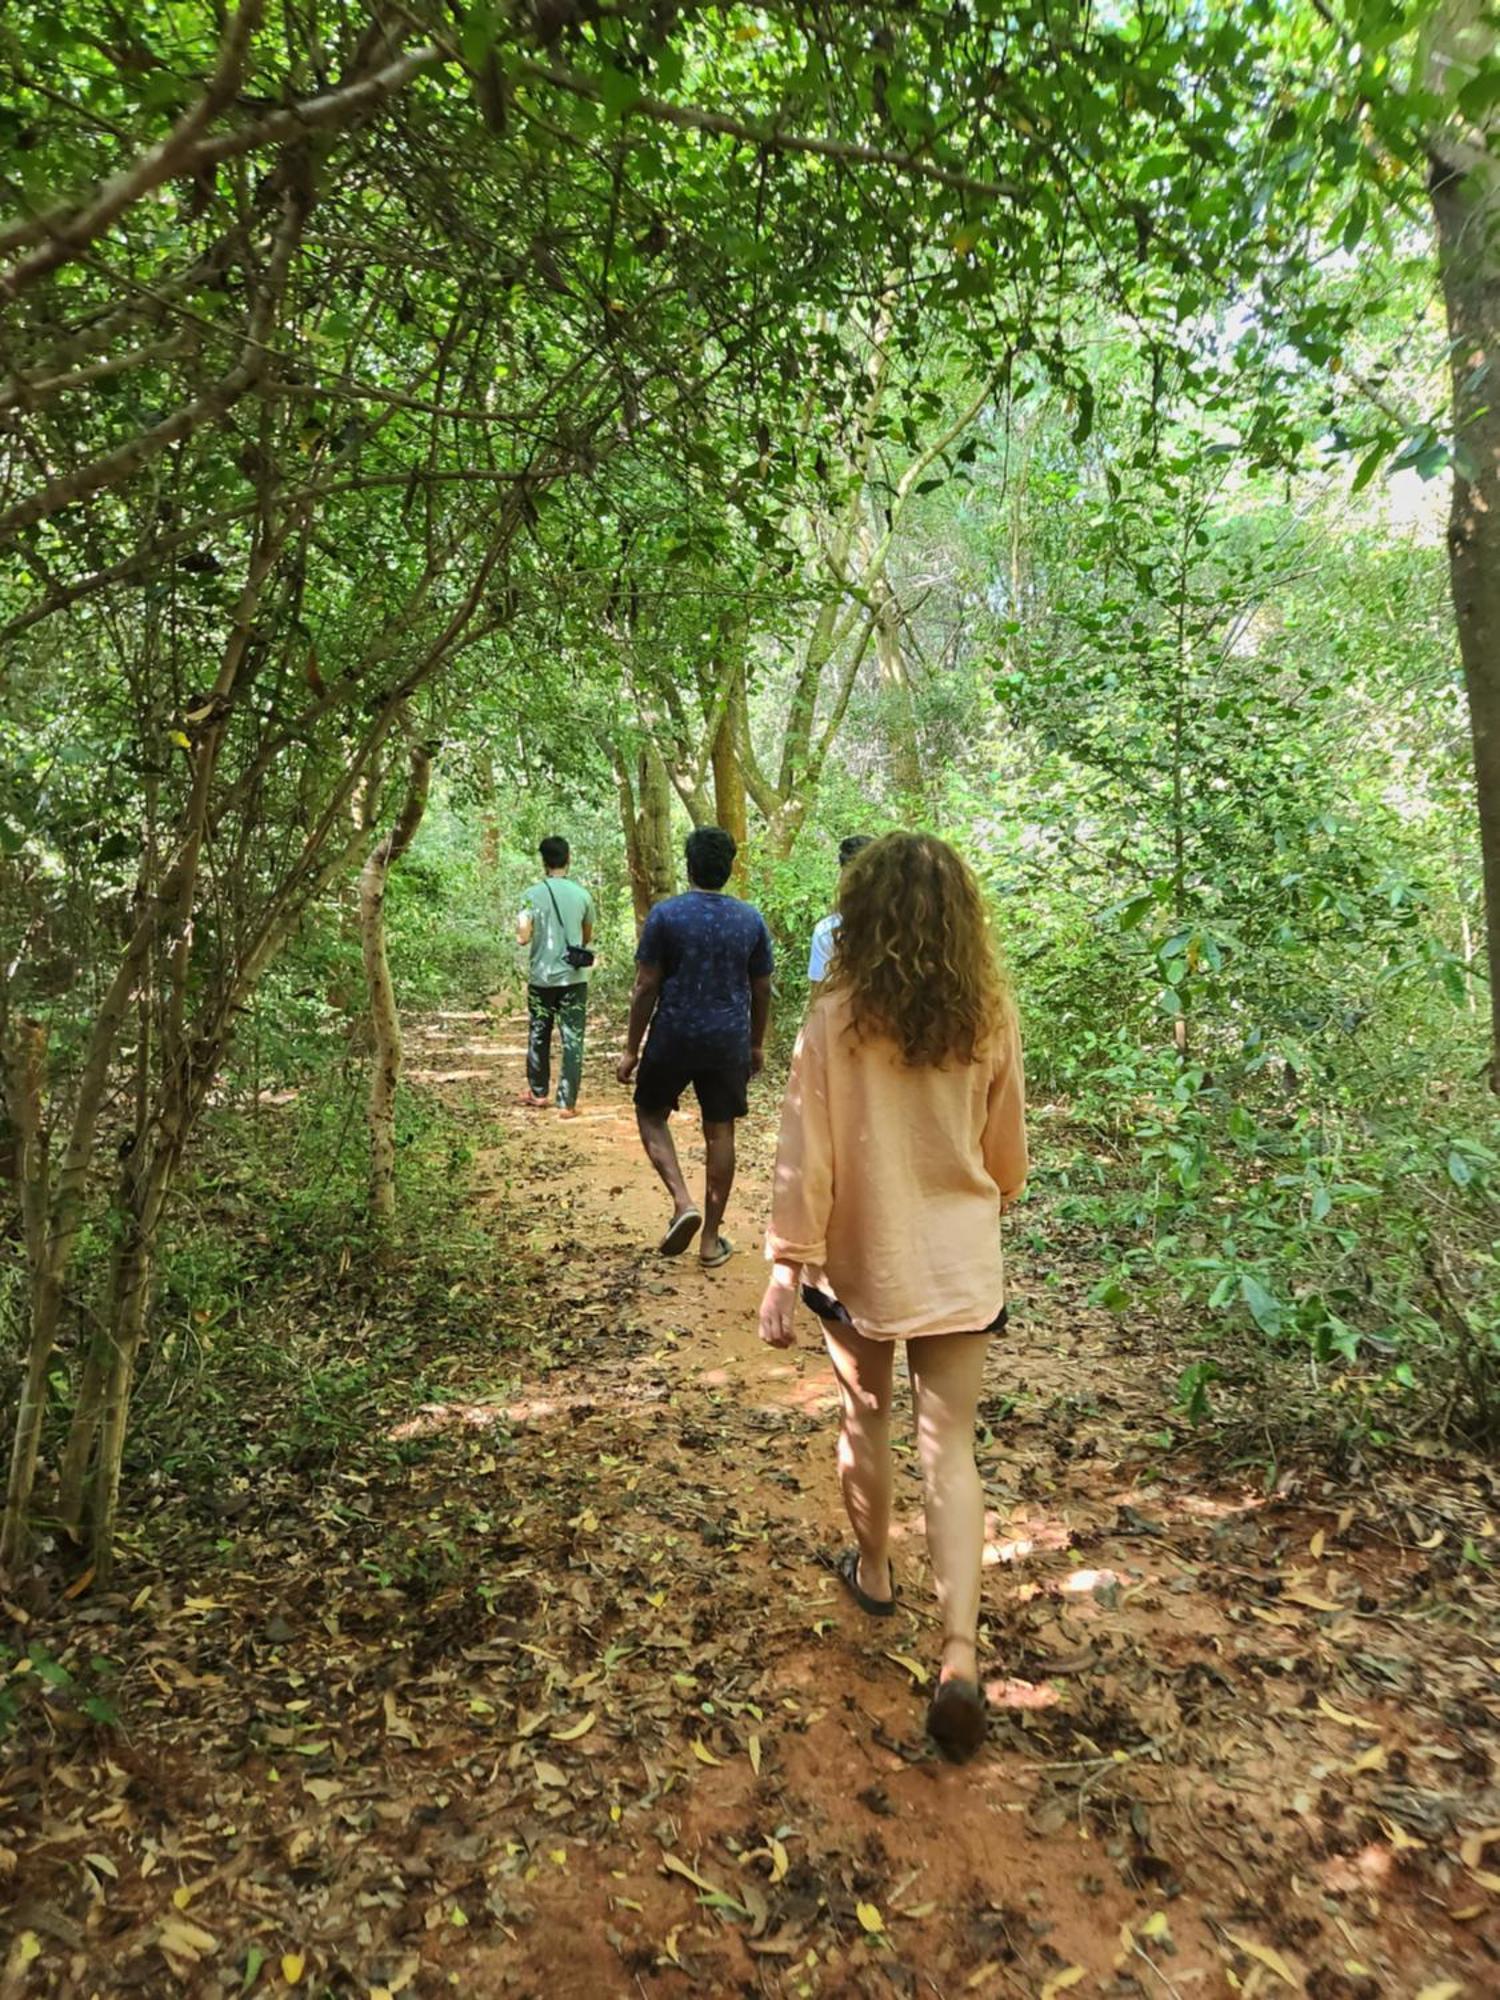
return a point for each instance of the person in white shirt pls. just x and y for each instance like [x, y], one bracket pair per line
[821, 955]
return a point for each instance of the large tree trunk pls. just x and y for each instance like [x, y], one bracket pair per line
[1465, 185]
[385, 1021]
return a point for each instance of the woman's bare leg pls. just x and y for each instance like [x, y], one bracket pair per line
[947, 1372]
[863, 1368]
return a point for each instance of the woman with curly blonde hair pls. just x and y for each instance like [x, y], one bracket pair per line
[902, 1139]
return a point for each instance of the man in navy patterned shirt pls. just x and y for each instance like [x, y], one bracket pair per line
[703, 986]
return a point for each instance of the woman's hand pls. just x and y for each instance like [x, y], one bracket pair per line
[778, 1309]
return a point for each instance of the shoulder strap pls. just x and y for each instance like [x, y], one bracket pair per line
[560, 917]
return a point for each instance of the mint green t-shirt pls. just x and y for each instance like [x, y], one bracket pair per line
[549, 938]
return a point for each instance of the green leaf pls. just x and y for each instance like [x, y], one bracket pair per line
[1265, 1310]
[618, 92]
[1480, 94]
[1192, 1389]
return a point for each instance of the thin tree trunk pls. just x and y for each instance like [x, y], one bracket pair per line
[730, 803]
[385, 1020]
[27, 1081]
[1465, 189]
[654, 791]
[88, 1400]
[900, 710]
[129, 1297]
[630, 828]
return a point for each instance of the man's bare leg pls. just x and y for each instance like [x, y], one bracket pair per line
[661, 1151]
[718, 1179]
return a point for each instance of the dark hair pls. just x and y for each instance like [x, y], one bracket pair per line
[850, 845]
[555, 851]
[710, 857]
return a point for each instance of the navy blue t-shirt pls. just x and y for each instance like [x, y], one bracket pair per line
[709, 948]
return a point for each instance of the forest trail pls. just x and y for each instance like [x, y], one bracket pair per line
[560, 1700]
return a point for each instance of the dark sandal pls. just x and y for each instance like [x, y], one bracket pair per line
[684, 1228]
[720, 1257]
[956, 1720]
[846, 1569]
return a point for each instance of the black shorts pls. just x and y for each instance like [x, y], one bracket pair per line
[720, 1087]
[835, 1313]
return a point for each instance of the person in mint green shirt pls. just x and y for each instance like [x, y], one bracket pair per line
[556, 920]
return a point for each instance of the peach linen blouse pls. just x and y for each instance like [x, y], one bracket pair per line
[889, 1178]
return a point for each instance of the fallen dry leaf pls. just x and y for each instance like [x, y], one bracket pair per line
[184, 1940]
[576, 1729]
[704, 1755]
[396, 1723]
[914, 1667]
[1339, 1715]
[1311, 1600]
[1402, 1841]
[1269, 1957]
[1473, 1846]
[1070, 1975]
[870, 1918]
[676, 1867]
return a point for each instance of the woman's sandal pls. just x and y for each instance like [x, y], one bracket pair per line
[846, 1569]
[956, 1720]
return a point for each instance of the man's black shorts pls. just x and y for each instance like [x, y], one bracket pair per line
[720, 1087]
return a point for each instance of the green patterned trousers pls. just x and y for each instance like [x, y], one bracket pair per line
[568, 1007]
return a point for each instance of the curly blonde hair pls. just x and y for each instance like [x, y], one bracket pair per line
[913, 951]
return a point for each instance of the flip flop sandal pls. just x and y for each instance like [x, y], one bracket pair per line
[684, 1228]
[846, 1569]
[956, 1720]
[721, 1256]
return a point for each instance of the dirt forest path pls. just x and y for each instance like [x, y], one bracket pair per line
[1224, 1756]
[564, 1702]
